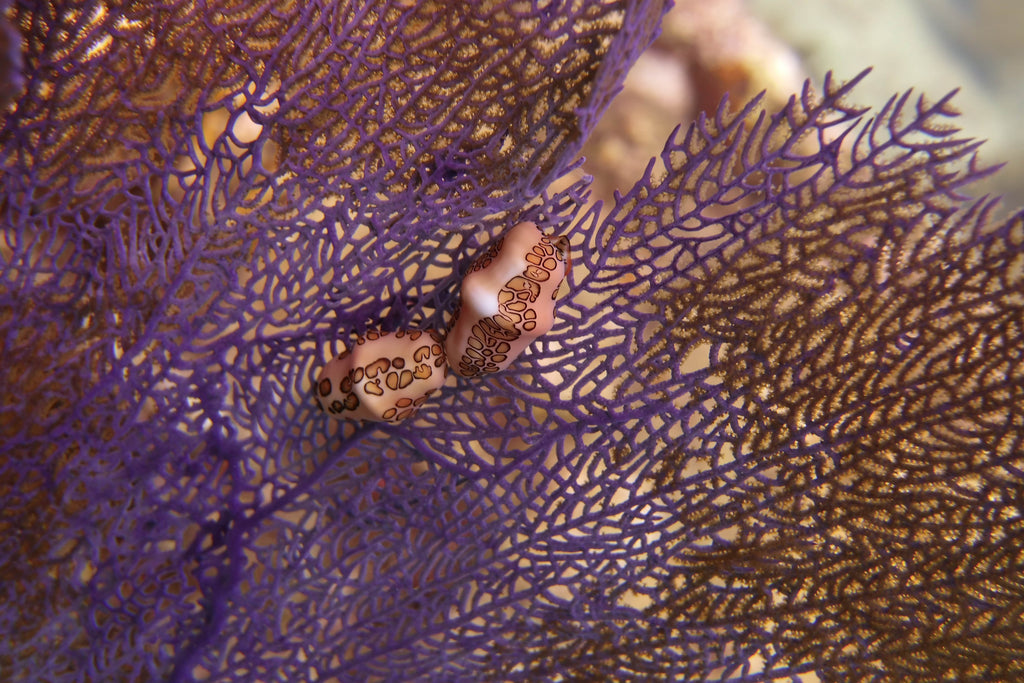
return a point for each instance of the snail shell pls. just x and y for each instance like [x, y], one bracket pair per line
[385, 376]
[507, 300]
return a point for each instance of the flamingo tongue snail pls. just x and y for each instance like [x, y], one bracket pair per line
[507, 301]
[385, 377]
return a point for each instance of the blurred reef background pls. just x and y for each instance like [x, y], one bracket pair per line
[745, 46]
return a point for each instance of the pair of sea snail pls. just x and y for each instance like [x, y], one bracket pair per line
[507, 301]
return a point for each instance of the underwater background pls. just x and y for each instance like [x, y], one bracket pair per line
[776, 432]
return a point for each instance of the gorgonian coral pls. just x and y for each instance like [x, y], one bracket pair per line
[776, 429]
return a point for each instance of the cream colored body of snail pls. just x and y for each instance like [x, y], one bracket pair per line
[507, 302]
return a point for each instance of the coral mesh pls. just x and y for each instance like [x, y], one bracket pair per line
[776, 430]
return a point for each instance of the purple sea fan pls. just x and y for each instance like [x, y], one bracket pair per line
[774, 432]
[199, 201]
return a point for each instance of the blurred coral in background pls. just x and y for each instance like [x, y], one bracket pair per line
[775, 433]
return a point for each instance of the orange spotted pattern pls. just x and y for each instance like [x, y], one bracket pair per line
[492, 341]
[386, 376]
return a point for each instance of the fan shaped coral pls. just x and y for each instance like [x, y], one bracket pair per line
[774, 432]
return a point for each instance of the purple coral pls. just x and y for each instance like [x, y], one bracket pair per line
[775, 431]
